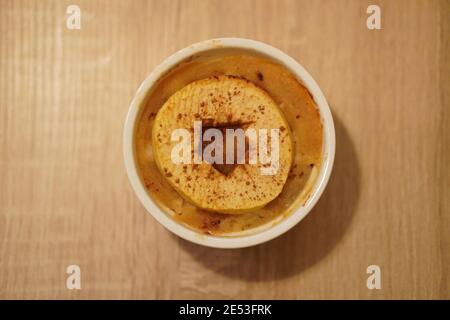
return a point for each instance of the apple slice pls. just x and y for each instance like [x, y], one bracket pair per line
[224, 103]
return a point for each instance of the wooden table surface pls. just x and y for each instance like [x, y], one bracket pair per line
[65, 198]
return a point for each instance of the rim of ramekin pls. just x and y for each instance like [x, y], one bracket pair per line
[284, 224]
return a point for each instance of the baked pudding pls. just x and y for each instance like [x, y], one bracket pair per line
[224, 91]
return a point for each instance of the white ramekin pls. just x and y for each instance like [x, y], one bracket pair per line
[244, 240]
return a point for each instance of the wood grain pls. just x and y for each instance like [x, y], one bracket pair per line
[65, 198]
